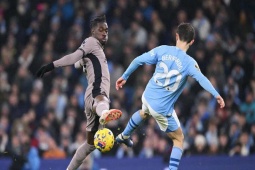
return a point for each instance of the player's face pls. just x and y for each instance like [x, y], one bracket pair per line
[100, 32]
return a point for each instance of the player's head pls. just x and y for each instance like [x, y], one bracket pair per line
[99, 28]
[185, 33]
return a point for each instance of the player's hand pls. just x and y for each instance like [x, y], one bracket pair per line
[44, 69]
[220, 101]
[119, 83]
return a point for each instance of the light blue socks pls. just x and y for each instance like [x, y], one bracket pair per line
[133, 123]
[175, 158]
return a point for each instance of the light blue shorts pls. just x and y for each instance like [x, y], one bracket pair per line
[165, 123]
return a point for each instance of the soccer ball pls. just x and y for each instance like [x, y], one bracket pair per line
[104, 140]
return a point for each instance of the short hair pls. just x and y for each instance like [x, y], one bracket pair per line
[97, 19]
[186, 32]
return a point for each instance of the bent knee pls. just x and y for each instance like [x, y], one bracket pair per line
[177, 135]
[101, 100]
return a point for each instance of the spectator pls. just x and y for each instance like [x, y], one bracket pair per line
[53, 151]
[248, 108]
[200, 145]
[201, 24]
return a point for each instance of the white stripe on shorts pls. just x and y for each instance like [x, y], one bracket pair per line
[161, 120]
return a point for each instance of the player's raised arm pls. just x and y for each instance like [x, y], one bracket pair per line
[195, 72]
[146, 58]
[69, 59]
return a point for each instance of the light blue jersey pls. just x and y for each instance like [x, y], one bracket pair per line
[173, 66]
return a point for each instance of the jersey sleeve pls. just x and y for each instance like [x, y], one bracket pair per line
[194, 71]
[69, 59]
[146, 58]
[86, 47]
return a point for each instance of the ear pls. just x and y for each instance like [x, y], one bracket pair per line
[177, 36]
[92, 31]
[191, 42]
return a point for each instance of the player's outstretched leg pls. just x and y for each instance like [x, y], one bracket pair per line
[133, 123]
[176, 154]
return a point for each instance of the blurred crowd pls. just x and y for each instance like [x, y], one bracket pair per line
[44, 118]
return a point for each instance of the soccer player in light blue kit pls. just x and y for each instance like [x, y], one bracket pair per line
[173, 66]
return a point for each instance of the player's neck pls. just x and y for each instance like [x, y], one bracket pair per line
[101, 45]
[182, 45]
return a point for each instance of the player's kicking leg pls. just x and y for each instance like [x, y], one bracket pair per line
[109, 115]
[133, 123]
[101, 107]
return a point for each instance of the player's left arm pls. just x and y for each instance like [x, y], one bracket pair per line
[195, 72]
[64, 61]
[146, 58]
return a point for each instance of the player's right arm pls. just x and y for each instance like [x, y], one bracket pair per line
[194, 71]
[146, 58]
[67, 60]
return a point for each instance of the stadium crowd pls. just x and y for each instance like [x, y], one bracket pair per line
[45, 117]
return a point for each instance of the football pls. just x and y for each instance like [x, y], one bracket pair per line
[104, 140]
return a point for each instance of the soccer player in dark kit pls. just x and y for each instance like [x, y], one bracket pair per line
[91, 56]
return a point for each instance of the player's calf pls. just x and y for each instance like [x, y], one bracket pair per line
[177, 150]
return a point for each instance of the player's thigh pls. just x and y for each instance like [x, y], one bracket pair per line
[92, 118]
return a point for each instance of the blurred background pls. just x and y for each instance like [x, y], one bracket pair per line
[43, 119]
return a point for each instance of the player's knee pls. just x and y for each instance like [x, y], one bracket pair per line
[101, 100]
